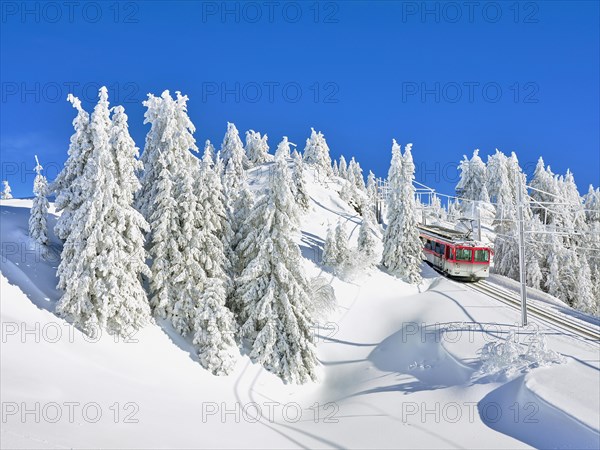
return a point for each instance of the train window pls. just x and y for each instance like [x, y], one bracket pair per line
[482, 256]
[464, 254]
[428, 245]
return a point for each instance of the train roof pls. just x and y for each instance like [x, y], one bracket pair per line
[455, 236]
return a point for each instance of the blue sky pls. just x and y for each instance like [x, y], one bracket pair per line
[447, 76]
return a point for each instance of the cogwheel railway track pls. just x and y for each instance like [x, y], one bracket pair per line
[589, 332]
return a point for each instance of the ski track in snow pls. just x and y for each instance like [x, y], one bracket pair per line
[391, 368]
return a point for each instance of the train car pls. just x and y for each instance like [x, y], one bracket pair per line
[453, 254]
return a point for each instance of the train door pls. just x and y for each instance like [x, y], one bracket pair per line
[448, 258]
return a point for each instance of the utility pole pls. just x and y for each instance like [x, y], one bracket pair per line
[479, 224]
[521, 250]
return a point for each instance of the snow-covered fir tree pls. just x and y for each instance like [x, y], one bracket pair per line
[103, 257]
[357, 173]
[172, 209]
[592, 204]
[366, 237]
[330, 252]
[284, 148]
[542, 185]
[6, 191]
[67, 186]
[274, 289]
[316, 153]
[555, 257]
[584, 294]
[240, 211]
[257, 148]
[336, 170]
[210, 150]
[402, 254]
[343, 167]
[38, 218]
[163, 240]
[299, 187]
[349, 193]
[213, 309]
[472, 187]
[341, 244]
[232, 152]
[372, 192]
[215, 329]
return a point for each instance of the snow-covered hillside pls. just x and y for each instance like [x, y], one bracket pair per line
[400, 367]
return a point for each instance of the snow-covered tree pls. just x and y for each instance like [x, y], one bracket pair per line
[357, 173]
[592, 205]
[343, 167]
[283, 148]
[336, 170]
[372, 192]
[38, 227]
[274, 289]
[173, 210]
[534, 253]
[349, 193]
[257, 148]
[542, 184]
[299, 188]
[163, 241]
[103, 257]
[330, 252]
[6, 191]
[555, 249]
[232, 152]
[436, 207]
[453, 211]
[584, 294]
[341, 244]
[366, 237]
[316, 153]
[161, 143]
[472, 187]
[243, 204]
[210, 150]
[402, 247]
[215, 329]
[67, 186]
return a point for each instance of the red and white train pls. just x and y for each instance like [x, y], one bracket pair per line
[453, 254]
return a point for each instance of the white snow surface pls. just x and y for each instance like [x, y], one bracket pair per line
[399, 367]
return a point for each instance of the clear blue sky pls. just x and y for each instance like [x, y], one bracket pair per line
[520, 77]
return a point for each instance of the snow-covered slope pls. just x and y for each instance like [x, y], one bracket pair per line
[399, 369]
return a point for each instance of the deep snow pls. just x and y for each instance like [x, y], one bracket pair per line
[399, 368]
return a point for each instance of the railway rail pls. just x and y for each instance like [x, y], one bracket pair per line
[589, 332]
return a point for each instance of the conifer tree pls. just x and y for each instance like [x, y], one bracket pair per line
[330, 252]
[274, 289]
[316, 153]
[103, 257]
[343, 167]
[257, 148]
[299, 188]
[283, 148]
[67, 186]
[232, 152]
[38, 228]
[6, 192]
[401, 242]
[366, 237]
